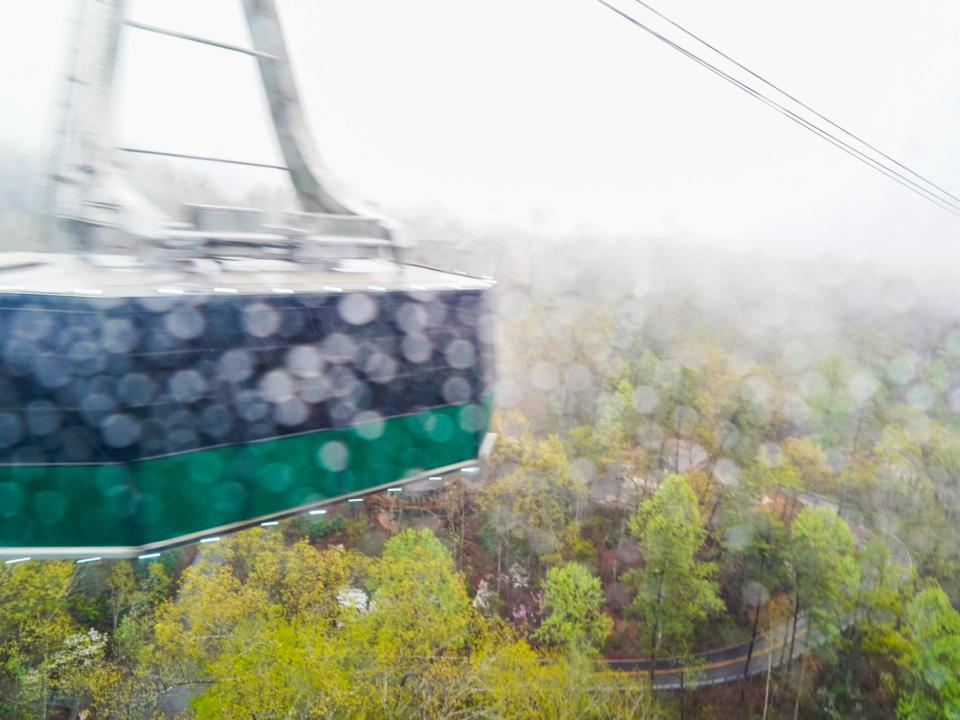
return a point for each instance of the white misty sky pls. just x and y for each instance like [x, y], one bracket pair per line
[556, 113]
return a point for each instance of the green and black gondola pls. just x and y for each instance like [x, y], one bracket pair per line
[133, 421]
[163, 379]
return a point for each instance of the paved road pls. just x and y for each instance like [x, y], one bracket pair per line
[719, 665]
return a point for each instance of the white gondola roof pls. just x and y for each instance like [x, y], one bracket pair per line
[124, 276]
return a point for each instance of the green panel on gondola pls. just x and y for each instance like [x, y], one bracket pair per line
[136, 421]
[154, 500]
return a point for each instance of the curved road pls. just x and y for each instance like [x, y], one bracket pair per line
[718, 665]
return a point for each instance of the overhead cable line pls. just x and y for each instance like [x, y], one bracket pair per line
[204, 158]
[943, 202]
[799, 102]
[880, 167]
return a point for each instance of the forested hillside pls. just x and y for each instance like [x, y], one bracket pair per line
[719, 490]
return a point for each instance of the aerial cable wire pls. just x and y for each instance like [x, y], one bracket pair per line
[880, 167]
[891, 173]
[799, 102]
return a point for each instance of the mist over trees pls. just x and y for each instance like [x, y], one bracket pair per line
[697, 449]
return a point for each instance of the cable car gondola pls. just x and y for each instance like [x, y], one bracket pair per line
[164, 381]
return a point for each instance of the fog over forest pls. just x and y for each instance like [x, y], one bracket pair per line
[699, 447]
[672, 433]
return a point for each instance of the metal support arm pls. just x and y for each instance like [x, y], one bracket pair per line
[310, 176]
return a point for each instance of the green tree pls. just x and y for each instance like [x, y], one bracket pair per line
[405, 657]
[536, 500]
[247, 580]
[278, 668]
[753, 543]
[872, 644]
[129, 592]
[518, 684]
[574, 599]
[675, 589]
[832, 409]
[825, 573]
[678, 414]
[35, 626]
[609, 441]
[420, 603]
[932, 667]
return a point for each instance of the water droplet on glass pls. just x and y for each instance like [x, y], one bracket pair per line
[120, 430]
[357, 308]
[334, 455]
[260, 320]
[236, 365]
